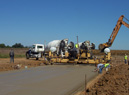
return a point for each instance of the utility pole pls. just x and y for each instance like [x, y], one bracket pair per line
[77, 46]
[77, 39]
[44, 44]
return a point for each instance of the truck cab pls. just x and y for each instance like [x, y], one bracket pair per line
[36, 51]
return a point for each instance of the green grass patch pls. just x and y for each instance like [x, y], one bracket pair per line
[7, 56]
[20, 56]
[4, 56]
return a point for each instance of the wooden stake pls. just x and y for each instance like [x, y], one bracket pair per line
[85, 84]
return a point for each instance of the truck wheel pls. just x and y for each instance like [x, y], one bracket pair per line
[37, 58]
[27, 56]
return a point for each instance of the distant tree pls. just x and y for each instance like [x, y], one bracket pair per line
[26, 47]
[18, 45]
[8, 46]
[2, 45]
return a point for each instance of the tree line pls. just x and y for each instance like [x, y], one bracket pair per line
[16, 45]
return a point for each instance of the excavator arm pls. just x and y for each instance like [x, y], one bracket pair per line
[114, 33]
[125, 24]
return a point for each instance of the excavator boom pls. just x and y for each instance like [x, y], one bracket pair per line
[114, 33]
[125, 24]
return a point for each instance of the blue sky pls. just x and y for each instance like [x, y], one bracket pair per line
[35, 21]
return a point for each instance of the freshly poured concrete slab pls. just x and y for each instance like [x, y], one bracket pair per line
[45, 80]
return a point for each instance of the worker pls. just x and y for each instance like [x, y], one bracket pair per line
[98, 67]
[76, 46]
[125, 58]
[11, 54]
[107, 65]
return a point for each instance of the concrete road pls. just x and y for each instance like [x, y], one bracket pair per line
[45, 80]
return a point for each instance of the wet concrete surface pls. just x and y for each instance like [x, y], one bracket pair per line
[45, 80]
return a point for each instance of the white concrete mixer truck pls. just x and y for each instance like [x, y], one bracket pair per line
[58, 47]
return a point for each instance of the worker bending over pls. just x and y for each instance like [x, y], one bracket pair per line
[107, 65]
[98, 67]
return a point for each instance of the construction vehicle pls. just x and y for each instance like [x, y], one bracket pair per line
[83, 54]
[59, 47]
[36, 51]
[114, 33]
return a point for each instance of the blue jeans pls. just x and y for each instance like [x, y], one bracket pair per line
[125, 61]
[101, 68]
[11, 59]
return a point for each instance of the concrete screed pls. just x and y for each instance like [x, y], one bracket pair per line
[45, 80]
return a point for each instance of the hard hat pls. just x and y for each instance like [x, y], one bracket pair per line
[106, 50]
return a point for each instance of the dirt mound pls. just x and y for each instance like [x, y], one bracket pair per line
[19, 63]
[8, 67]
[114, 82]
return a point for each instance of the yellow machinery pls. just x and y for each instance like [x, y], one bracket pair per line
[84, 55]
[80, 58]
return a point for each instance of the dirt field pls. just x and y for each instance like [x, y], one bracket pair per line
[18, 60]
[113, 82]
[5, 64]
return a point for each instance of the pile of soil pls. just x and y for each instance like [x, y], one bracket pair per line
[23, 63]
[113, 82]
[8, 67]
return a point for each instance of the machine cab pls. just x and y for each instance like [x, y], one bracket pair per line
[37, 48]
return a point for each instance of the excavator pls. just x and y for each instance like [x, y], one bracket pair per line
[85, 55]
[114, 33]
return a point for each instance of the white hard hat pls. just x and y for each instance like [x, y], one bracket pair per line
[106, 50]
